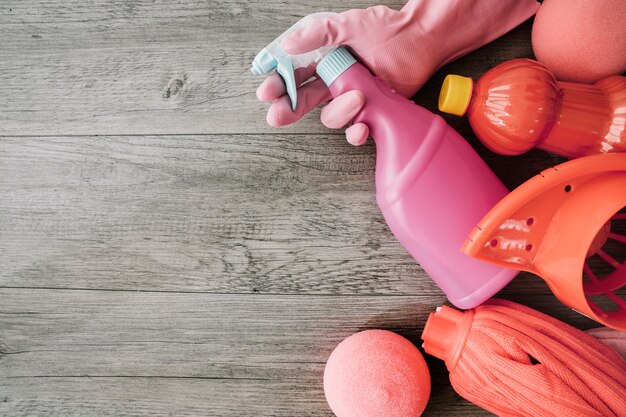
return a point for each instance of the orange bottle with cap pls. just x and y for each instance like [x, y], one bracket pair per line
[519, 105]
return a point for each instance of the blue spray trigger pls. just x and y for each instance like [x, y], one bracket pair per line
[285, 69]
[273, 57]
[266, 62]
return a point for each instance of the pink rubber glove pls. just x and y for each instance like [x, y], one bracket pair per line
[612, 338]
[403, 48]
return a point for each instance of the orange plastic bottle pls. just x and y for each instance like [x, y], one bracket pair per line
[519, 105]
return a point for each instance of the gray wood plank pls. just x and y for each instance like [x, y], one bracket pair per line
[111, 396]
[226, 213]
[121, 352]
[143, 67]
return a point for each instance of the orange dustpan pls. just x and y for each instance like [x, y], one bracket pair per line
[565, 225]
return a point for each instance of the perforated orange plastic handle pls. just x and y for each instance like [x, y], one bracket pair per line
[554, 223]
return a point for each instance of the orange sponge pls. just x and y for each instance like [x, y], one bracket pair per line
[580, 40]
[376, 373]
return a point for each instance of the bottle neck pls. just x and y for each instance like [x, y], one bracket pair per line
[445, 334]
[580, 121]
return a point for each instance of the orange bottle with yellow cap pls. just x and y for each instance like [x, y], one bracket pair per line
[519, 105]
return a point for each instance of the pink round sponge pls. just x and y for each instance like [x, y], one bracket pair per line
[581, 40]
[376, 373]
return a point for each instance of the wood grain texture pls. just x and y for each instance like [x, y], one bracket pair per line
[144, 67]
[115, 396]
[225, 214]
[92, 352]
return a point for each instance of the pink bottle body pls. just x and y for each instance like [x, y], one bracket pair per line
[431, 187]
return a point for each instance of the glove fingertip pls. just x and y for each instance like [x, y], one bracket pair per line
[308, 38]
[277, 115]
[280, 113]
[357, 134]
[296, 43]
[329, 118]
[342, 109]
[270, 89]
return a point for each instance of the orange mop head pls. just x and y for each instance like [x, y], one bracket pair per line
[514, 361]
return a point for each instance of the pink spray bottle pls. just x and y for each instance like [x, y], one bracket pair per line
[431, 186]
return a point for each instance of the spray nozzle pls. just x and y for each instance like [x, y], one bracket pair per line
[273, 57]
[266, 62]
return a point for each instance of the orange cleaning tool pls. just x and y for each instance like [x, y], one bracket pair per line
[519, 105]
[565, 225]
[517, 362]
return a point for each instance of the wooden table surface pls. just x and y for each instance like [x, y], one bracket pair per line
[163, 251]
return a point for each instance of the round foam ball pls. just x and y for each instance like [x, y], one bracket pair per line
[376, 373]
[581, 40]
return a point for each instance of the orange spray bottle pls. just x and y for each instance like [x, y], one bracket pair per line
[519, 105]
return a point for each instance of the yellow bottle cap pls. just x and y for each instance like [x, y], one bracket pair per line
[455, 95]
